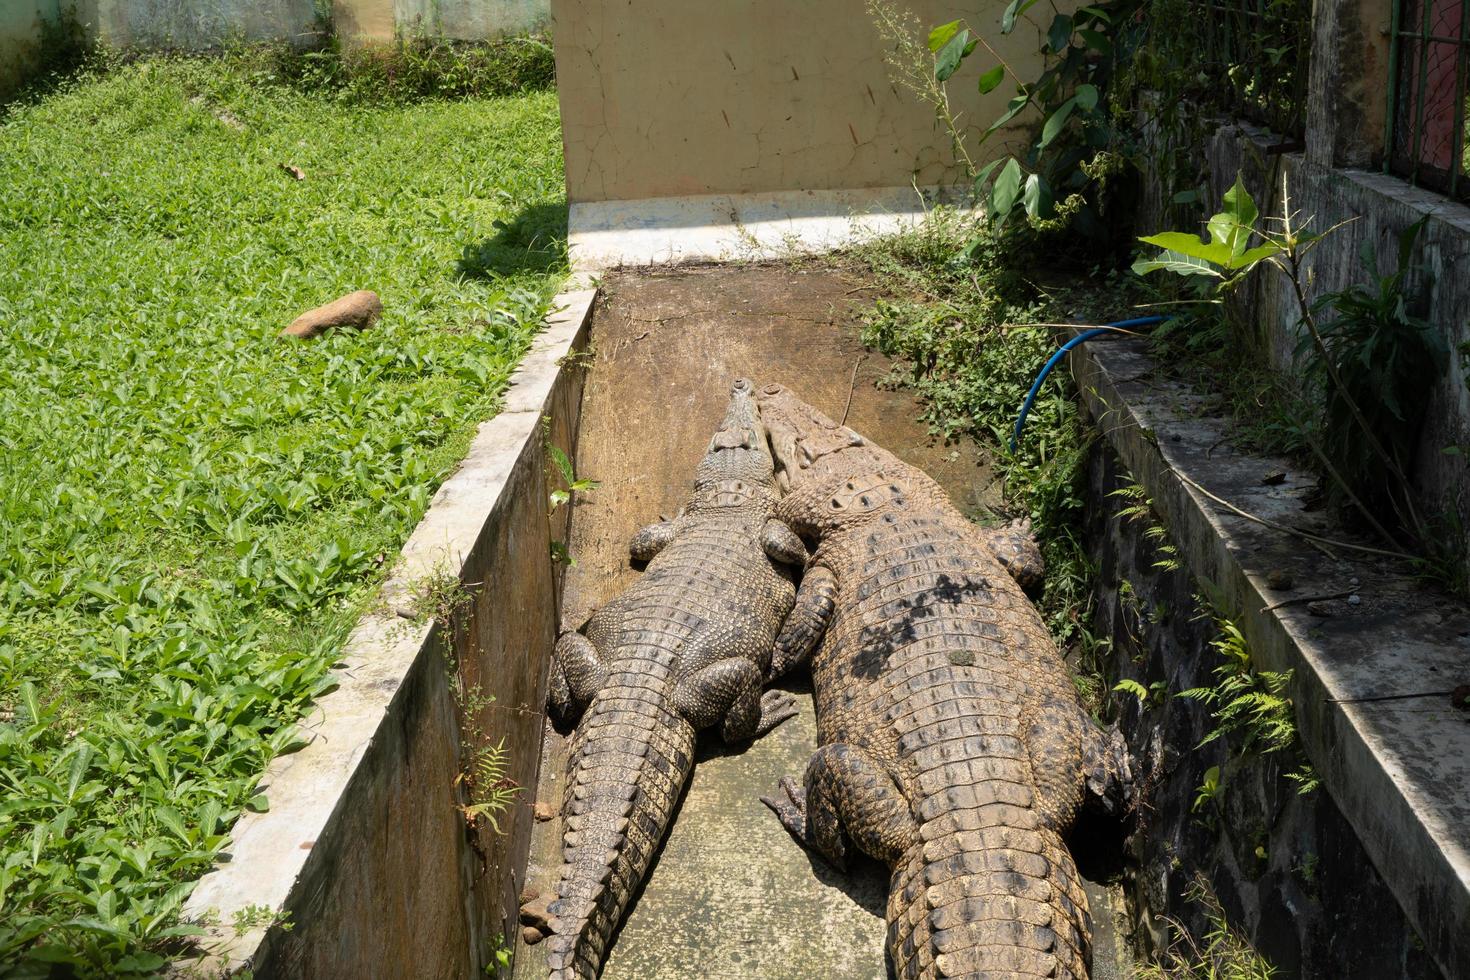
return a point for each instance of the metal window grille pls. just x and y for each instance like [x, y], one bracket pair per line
[1429, 71]
[1255, 54]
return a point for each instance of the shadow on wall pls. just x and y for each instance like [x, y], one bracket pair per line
[535, 240]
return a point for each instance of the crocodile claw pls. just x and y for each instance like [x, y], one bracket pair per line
[776, 707]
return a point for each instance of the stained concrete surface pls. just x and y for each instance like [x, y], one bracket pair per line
[731, 896]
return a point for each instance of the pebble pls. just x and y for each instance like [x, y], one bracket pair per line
[543, 812]
[1353, 600]
[531, 935]
[1279, 579]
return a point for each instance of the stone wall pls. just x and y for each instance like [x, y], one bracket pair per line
[1288, 870]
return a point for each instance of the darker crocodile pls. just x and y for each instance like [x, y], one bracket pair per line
[687, 647]
[953, 746]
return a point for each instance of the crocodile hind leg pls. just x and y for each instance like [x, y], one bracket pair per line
[1108, 770]
[729, 692]
[577, 672]
[847, 793]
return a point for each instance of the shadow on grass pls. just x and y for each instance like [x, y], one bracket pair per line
[535, 240]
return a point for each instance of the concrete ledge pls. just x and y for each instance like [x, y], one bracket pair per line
[1372, 679]
[364, 847]
[746, 227]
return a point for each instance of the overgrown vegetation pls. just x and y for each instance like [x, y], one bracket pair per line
[1364, 357]
[192, 512]
[1221, 954]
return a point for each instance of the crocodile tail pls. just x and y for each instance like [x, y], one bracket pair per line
[988, 893]
[630, 758]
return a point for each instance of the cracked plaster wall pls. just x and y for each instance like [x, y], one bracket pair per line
[667, 99]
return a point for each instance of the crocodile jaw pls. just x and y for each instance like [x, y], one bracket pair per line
[737, 467]
[806, 445]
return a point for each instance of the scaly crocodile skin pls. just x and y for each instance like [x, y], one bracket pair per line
[686, 647]
[953, 745]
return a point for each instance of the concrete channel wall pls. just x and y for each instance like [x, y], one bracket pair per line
[365, 859]
[1373, 656]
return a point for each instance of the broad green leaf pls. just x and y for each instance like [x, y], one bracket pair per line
[941, 35]
[563, 464]
[947, 61]
[1007, 188]
[170, 818]
[985, 172]
[81, 759]
[1015, 106]
[1234, 226]
[1013, 10]
[1086, 96]
[258, 803]
[1059, 35]
[991, 79]
[1095, 40]
[1176, 262]
[1054, 124]
[1216, 253]
[1038, 197]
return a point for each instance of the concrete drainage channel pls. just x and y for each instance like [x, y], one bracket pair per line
[367, 853]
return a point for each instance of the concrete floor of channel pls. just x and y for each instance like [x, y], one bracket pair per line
[731, 895]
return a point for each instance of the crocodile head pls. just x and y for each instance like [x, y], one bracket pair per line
[737, 468]
[832, 475]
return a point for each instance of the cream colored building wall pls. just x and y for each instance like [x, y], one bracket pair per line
[664, 98]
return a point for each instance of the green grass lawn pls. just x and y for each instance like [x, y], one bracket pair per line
[193, 512]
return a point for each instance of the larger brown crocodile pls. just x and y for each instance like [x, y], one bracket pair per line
[687, 647]
[953, 746]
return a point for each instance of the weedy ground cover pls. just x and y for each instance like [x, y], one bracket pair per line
[192, 513]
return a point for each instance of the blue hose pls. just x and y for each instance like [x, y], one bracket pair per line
[1081, 338]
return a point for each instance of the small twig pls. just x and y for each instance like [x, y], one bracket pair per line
[1291, 530]
[1390, 697]
[1305, 598]
[851, 384]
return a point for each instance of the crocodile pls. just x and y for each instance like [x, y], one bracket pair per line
[688, 646]
[952, 744]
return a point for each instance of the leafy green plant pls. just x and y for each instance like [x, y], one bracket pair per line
[1074, 150]
[1385, 358]
[490, 788]
[1351, 377]
[192, 513]
[1149, 697]
[1251, 707]
[570, 482]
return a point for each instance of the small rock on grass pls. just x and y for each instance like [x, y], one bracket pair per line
[359, 310]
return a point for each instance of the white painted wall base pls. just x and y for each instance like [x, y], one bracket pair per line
[737, 227]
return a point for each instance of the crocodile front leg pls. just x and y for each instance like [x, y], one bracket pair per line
[729, 692]
[807, 621]
[577, 672]
[651, 540]
[847, 792]
[781, 544]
